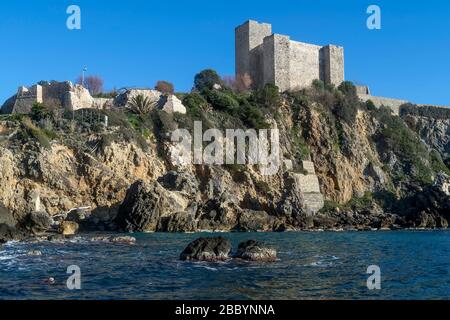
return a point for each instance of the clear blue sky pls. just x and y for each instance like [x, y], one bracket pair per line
[135, 43]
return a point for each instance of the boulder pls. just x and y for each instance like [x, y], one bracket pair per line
[145, 204]
[207, 249]
[68, 228]
[37, 222]
[256, 251]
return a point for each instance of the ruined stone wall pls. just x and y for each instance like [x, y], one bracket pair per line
[304, 64]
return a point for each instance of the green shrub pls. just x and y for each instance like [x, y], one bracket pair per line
[318, 85]
[347, 88]
[39, 111]
[268, 97]
[223, 101]
[206, 79]
[370, 105]
[437, 164]
[164, 87]
[425, 111]
[35, 132]
[195, 105]
[141, 104]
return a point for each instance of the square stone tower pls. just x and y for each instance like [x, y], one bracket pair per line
[249, 38]
[276, 59]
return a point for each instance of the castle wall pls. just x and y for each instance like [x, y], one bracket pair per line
[249, 38]
[333, 64]
[393, 104]
[304, 64]
[277, 61]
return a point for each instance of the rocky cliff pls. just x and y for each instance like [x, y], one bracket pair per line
[368, 165]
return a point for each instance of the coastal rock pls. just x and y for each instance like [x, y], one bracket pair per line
[37, 222]
[124, 240]
[207, 249]
[6, 217]
[256, 251]
[251, 220]
[34, 253]
[145, 204]
[9, 233]
[68, 228]
[181, 222]
[100, 239]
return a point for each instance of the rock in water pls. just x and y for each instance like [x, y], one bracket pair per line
[124, 240]
[207, 249]
[68, 228]
[256, 251]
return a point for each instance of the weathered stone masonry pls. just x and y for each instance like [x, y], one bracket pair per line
[276, 59]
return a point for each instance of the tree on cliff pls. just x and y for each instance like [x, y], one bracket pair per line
[164, 87]
[93, 83]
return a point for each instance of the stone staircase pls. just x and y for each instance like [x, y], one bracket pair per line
[310, 188]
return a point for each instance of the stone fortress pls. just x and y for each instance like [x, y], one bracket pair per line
[291, 65]
[274, 58]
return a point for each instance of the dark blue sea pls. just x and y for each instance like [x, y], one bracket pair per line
[311, 265]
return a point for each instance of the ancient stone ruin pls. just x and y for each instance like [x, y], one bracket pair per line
[73, 97]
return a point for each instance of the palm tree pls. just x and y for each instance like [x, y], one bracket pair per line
[141, 104]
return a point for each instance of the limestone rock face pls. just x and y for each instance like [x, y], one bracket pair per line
[173, 104]
[6, 217]
[78, 98]
[38, 222]
[207, 249]
[256, 251]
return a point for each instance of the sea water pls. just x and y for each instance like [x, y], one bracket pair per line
[310, 265]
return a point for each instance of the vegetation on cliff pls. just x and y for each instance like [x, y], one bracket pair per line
[366, 159]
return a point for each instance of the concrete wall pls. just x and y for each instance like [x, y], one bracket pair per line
[304, 64]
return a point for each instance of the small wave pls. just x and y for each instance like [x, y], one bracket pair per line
[205, 267]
